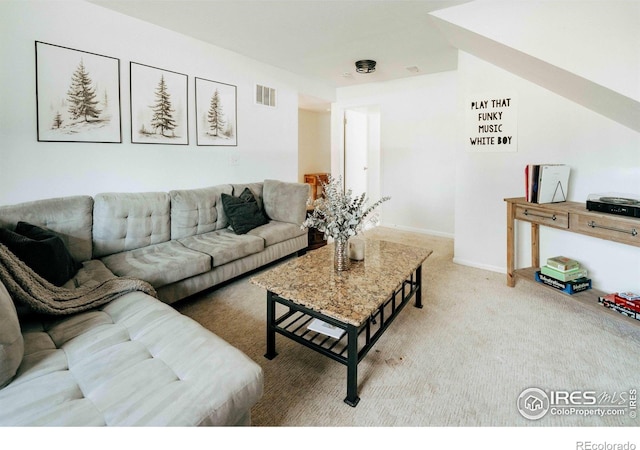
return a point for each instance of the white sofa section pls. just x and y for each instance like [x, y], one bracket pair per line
[133, 362]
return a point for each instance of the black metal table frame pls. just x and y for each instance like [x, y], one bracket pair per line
[292, 324]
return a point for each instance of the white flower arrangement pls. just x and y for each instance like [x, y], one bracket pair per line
[338, 214]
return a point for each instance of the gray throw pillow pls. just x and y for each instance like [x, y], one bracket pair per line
[11, 341]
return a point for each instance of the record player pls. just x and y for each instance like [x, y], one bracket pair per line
[621, 204]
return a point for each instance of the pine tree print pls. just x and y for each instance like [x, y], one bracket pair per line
[215, 116]
[162, 111]
[81, 96]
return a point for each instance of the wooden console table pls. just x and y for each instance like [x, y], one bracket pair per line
[569, 216]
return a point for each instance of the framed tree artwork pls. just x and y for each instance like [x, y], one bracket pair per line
[158, 106]
[77, 95]
[216, 113]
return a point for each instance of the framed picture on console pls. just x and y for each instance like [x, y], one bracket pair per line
[77, 95]
[159, 105]
[216, 113]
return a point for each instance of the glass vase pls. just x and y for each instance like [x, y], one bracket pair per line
[341, 261]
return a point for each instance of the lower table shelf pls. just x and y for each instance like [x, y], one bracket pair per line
[588, 298]
[295, 321]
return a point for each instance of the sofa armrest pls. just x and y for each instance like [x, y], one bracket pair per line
[285, 202]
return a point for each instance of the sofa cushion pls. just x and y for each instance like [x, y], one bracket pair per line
[11, 341]
[286, 202]
[42, 250]
[243, 212]
[126, 221]
[92, 273]
[195, 211]
[224, 245]
[70, 217]
[133, 362]
[159, 264]
[275, 232]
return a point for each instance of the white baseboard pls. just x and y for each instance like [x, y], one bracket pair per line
[417, 230]
[462, 262]
[488, 267]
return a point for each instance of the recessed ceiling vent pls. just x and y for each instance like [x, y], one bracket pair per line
[265, 96]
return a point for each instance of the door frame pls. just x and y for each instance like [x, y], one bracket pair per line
[338, 148]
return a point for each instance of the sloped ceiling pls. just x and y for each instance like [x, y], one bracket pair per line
[588, 52]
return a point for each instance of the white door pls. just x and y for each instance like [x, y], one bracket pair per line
[355, 150]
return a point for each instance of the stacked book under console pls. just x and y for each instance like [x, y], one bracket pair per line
[626, 303]
[564, 274]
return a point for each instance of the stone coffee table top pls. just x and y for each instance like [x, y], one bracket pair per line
[350, 296]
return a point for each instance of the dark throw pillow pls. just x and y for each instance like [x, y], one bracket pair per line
[243, 212]
[42, 250]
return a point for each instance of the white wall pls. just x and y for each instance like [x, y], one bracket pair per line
[267, 138]
[417, 123]
[314, 142]
[604, 157]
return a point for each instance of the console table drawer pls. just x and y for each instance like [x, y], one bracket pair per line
[625, 231]
[543, 216]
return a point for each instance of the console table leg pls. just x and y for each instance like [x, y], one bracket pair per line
[271, 327]
[535, 245]
[511, 281]
[352, 367]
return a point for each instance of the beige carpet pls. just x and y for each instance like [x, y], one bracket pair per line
[462, 360]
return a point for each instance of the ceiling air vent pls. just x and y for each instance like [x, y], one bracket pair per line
[265, 96]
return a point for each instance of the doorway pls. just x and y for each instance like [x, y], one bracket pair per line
[361, 150]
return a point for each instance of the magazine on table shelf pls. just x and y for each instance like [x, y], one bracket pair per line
[326, 328]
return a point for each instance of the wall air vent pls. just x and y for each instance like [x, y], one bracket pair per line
[265, 96]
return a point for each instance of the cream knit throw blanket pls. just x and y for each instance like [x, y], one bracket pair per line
[29, 288]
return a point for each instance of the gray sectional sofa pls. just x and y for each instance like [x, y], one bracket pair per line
[135, 361]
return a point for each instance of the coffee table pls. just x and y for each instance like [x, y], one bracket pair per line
[358, 304]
